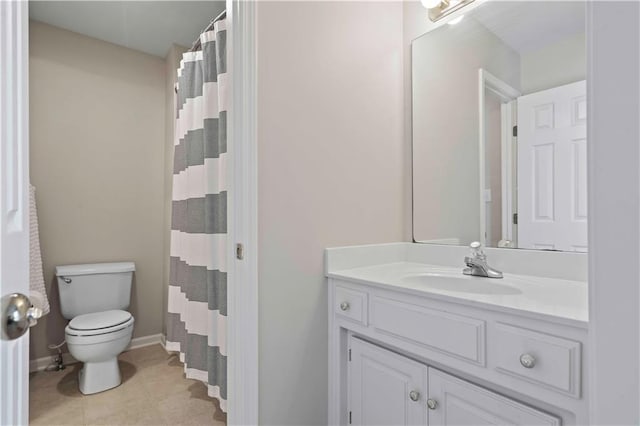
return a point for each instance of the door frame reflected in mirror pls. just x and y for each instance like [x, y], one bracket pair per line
[508, 96]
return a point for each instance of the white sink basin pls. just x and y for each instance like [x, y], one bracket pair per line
[461, 284]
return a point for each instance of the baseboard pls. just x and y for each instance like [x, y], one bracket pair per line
[40, 364]
[163, 341]
[141, 342]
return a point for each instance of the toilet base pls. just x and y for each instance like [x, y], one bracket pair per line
[99, 376]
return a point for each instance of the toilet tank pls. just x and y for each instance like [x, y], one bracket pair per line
[95, 287]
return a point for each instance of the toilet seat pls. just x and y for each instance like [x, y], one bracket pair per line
[99, 322]
[98, 327]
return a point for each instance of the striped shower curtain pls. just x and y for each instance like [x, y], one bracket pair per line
[197, 304]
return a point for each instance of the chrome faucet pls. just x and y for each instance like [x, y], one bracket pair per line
[477, 263]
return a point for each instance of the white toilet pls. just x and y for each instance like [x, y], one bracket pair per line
[94, 297]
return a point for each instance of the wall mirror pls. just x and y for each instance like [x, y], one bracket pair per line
[499, 128]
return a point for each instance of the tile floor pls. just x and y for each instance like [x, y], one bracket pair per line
[154, 391]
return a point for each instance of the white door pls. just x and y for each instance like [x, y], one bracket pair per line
[552, 169]
[14, 224]
[385, 388]
[454, 402]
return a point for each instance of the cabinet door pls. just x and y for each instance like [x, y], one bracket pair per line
[385, 388]
[460, 403]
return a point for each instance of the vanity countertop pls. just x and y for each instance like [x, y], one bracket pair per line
[546, 298]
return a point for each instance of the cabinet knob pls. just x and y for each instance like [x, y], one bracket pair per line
[344, 306]
[414, 395]
[432, 404]
[527, 360]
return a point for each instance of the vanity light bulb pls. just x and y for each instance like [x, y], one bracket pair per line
[430, 4]
[456, 20]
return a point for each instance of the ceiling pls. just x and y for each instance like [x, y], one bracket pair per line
[530, 25]
[148, 26]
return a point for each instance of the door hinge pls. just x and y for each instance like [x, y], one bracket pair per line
[349, 417]
[349, 354]
[515, 131]
[239, 251]
[515, 218]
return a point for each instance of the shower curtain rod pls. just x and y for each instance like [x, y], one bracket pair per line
[196, 44]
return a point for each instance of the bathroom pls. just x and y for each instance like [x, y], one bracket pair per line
[334, 175]
[102, 79]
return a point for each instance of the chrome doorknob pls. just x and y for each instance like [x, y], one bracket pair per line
[527, 360]
[414, 395]
[432, 404]
[344, 306]
[18, 315]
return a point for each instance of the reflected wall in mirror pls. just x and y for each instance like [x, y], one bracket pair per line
[499, 128]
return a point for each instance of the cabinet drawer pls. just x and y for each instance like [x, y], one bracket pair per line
[351, 304]
[549, 361]
[455, 335]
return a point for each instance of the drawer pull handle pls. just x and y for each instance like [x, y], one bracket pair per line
[527, 360]
[344, 306]
[414, 395]
[432, 404]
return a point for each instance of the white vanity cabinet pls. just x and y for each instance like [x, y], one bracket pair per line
[386, 388]
[399, 356]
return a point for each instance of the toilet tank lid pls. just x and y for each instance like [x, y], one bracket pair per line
[94, 268]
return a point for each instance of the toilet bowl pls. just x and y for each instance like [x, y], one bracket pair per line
[96, 339]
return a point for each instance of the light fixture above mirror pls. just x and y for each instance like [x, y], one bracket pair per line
[430, 4]
[438, 9]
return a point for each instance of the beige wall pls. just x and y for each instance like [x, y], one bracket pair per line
[331, 173]
[560, 63]
[172, 62]
[97, 156]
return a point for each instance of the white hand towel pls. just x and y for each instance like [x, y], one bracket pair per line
[36, 276]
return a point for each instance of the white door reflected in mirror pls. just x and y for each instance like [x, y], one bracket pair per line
[552, 169]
